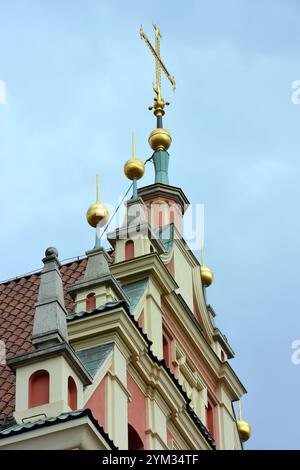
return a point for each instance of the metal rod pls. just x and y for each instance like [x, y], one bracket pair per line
[133, 146]
[109, 222]
[134, 189]
[240, 410]
[97, 190]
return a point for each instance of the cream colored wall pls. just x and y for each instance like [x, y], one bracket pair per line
[153, 319]
[78, 434]
[141, 246]
[119, 248]
[103, 294]
[157, 425]
[183, 276]
[116, 406]
[59, 371]
[227, 430]
[199, 402]
[218, 349]
[228, 435]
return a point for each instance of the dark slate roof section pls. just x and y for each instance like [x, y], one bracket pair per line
[134, 292]
[204, 430]
[18, 429]
[162, 363]
[166, 236]
[219, 335]
[190, 313]
[106, 308]
[93, 358]
[103, 308]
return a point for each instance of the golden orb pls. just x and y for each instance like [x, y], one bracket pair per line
[134, 168]
[244, 430]
[97, 214]
[207, 276]
[160, 139]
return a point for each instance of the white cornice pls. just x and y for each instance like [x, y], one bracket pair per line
[143, 266]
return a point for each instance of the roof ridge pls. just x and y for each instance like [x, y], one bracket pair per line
[63, 263]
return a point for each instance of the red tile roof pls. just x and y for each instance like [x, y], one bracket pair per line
[17, 300]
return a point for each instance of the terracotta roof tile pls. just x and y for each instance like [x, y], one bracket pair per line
[17, 300]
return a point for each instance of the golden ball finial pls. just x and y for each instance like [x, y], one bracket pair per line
[160, 139]
[97, 214]
[134, 168]
[207, 276]
[244, 430]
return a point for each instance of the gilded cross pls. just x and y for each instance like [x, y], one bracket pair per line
[159, 103]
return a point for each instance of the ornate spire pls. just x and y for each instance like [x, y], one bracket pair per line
[50, 326]
[159, 103]
[159, 139]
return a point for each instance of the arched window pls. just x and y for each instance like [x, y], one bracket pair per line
[90, 301]
[129, 250]
[172, 216]
[72, 394]
[38, 392]
[222, 356]
[151, 249]
[210, 419]
[160, 218]
[166, 350]
[134, 440]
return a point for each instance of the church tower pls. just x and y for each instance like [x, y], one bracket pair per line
[124, 351]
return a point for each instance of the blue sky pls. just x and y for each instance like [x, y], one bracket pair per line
[78, 80]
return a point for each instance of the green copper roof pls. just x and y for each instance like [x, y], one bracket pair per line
[166, 236]
[161, 165]
[93, 358]
[134, 291]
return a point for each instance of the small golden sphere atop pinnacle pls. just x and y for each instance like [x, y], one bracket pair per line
[207, 276]
[97, 214]
[206, 273]
[134, 168]
[244, 430]
[160, 139]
